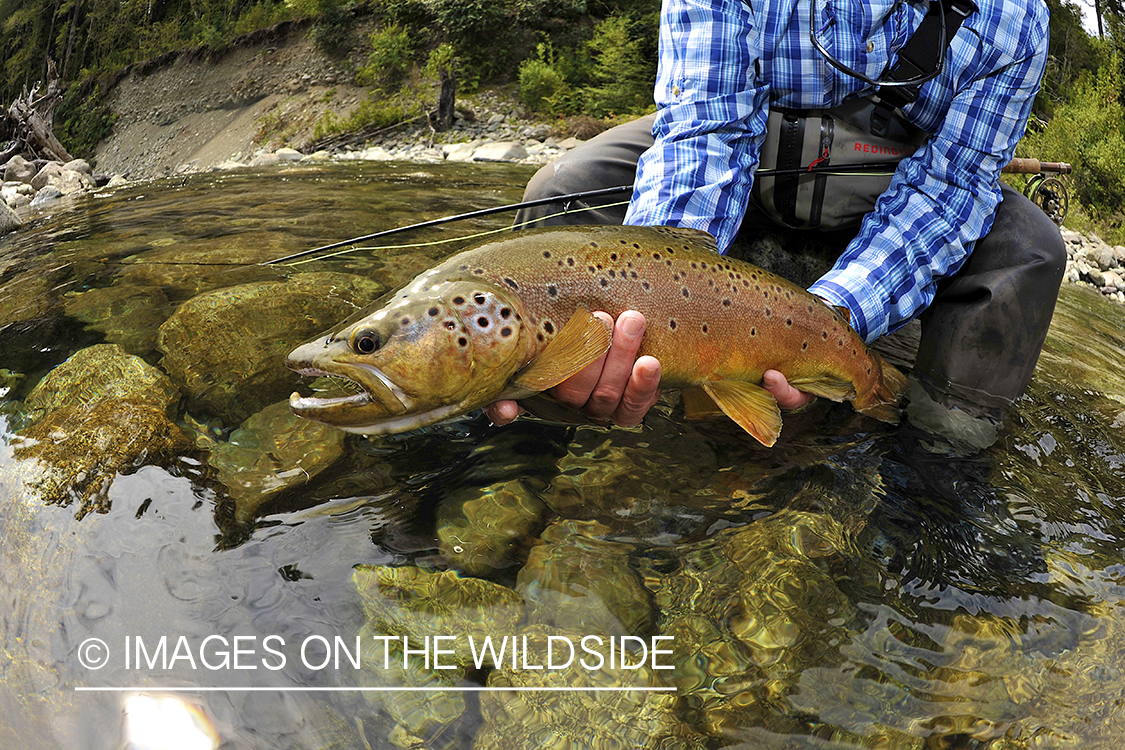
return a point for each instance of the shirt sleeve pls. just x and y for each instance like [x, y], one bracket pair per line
[710, 124]
[943, 198]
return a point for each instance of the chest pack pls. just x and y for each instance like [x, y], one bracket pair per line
[824, 169]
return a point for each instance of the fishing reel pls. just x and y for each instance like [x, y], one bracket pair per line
[1050, 194]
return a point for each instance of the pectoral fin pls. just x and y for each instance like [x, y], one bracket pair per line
[834, 390]
[583, 339]
[750, 406]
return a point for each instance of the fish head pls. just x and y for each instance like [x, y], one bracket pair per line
[429, 354]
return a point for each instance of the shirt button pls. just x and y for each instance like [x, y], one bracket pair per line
[675, 91]
[870, 46]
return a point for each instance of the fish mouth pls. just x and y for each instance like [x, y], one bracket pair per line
[379, 397]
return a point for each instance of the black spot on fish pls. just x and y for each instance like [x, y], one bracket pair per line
[512, 284]
[753, 331]
[769, 313]
[636, 246]
[671, 251]
[705, 328]
[684, 291]
[482, 321]
[592, 269]
[672, 324]
[432, 312]
[612, 274]
[458, 300]
[404, 322]
[594, 244]
[450, 325]
[479, 272]
[804, 345]
[462, 341]
[546, 253]
[570, 262]
[695, 265]
[633, 274]
[726, 303]
[824, 335]
[656, 256]
[789, 322]
[553, 290]
[464, 268]
[548, 326]
[505, 331]
[646, 286]
[505, 312]
[613, 257]
[479, 298]
[604, 282]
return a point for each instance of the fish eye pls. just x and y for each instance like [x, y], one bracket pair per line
[366, 342]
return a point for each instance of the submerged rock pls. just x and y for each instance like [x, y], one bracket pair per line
[411, 606]
[579, 582]
[577, 719]
[417, 604]
[76, 451]
[101, 413]
[226, 348]
[484, 530]
[126, 315]
[271, 452]
[103, 372]
[748, 610]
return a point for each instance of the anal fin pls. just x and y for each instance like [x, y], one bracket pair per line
[582, 340]
[752, 407]
[833, 390]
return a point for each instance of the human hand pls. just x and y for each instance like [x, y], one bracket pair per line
[617, 386]
[787, 396]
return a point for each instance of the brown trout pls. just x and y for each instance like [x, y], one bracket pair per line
[511, 318]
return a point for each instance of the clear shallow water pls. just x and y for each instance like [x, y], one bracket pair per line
[848, 587]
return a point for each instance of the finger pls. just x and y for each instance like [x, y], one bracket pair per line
[628, 332]
[575, 391]
[502, 412]
[787, 396]
[641, 392]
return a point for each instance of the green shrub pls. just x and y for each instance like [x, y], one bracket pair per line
[540, 86]
[390, 61]
[1089, 132]
[623, 78]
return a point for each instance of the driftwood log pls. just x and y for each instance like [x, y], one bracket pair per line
[28, 122]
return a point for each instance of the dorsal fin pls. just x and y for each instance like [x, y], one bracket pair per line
[583, 339]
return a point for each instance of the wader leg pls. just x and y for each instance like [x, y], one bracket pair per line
[982, 335]
[606, 160]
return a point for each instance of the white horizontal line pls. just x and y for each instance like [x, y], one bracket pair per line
[150, 689]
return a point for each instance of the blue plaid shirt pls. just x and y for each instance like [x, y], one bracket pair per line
[723, 63]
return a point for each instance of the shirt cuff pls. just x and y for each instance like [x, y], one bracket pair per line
[849, 289]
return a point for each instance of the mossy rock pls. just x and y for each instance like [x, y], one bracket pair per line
[97, 373]
[226, 348]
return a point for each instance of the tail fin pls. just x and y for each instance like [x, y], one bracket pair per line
[882, 399]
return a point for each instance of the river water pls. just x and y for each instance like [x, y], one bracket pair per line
[206, 570]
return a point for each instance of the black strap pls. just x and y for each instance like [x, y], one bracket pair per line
[789, 148]
[918, 56]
